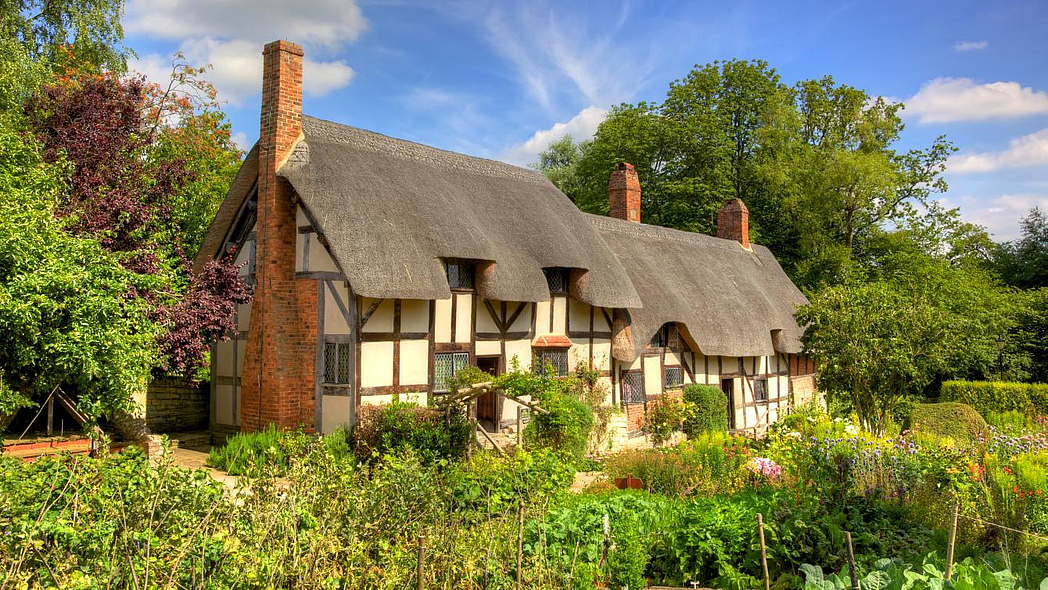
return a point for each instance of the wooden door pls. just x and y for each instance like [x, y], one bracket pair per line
[487, 404]
[728, 387]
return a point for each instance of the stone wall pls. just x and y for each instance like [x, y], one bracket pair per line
[173, 406]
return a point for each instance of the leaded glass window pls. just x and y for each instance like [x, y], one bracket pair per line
[557, 358]
[760, 390]
[460, 274]
[337, 356]
[633, 388]
[673, 377]
[445, 366]
[556, 280]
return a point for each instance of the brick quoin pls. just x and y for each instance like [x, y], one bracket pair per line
[733, 222]
[624, 193]
[279, 363]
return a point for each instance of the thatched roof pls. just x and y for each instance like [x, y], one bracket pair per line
[392, 211]
[731, 301]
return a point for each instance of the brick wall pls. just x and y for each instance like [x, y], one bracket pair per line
[733, 222]
[278, 377]
[634, 417]
[171, 405]
[624, 193]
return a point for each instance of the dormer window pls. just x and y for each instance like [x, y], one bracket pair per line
[460, 274]
[666, 336]
[557, 280]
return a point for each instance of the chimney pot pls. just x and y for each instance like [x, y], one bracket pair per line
[624, 193]
[733, 222]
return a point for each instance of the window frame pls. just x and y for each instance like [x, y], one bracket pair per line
[562, 274]
[338, 346]
[760, 390]
[680, 377]
[439, 387]
[537, 363]
[666, 337]
[460, 266]
[632, 400]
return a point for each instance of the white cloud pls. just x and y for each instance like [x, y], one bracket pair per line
[970, 45]
[946, 100]
[582, 126]
[1000, 215]
[241, 141]
[236, 68]
[1028, 150]
[323, 23]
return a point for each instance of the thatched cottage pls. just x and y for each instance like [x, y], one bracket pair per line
[381, 267]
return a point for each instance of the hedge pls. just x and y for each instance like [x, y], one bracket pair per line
[394, 428]
[711, 410]
[956, 420]
[998, 396]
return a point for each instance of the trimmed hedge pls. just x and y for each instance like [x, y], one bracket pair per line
[711, 410]
[394, 428]
[948, 419]
[998, 396]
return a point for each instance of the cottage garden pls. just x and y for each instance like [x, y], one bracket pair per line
[403, 501]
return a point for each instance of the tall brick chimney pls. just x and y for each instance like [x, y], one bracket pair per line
[733, 222]
[278, 378]
[624, 193]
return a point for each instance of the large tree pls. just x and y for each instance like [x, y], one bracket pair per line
[86, 33]
[1024, 262]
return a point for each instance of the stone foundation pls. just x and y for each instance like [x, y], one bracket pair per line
[173, 406]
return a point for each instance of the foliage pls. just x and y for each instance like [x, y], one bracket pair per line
[998, 396]
[960, 422]
[1029, 337]
[711, 410]
[65, 314]
[85, 32]
[271, 451]
[1024, 263]
[897, 575]
[399, 427]
[489, 484]
[707, 464]
[665, 416]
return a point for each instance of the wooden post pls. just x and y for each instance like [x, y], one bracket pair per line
[764, 551]
[520, 542]
[519, 408]
[421, 558]
[851, 562]
[953, 538]
[50, 415]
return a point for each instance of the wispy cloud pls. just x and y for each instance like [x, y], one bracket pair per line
[554, 53]
[947, 100]
[999, 214]
[1028, 150]
[970, 45]
[580, 127]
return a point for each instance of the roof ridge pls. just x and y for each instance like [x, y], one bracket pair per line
[658, 231]
[316, 129]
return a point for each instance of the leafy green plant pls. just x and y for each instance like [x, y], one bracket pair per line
[1030, 399]
[666, 415]
[397, 427]
[957, 421]
[710, 410]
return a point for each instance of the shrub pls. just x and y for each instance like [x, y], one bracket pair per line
[396, 427]
[255, 453]
[662, 472]
[665, 415]
[998, 396]
[957, 421]
[711, 409]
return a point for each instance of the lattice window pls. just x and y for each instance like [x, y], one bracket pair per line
[460, 274]
[557, 280]
[554, 359]
[673, 377]
[337, 357]
[633, 388]
[445, 366]
[760, 390]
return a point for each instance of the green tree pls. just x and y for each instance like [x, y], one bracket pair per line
[1024, 262]
[83, 33]
[560, 161]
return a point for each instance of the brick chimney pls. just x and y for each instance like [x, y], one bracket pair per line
[733, 222]
[624, 193]
[278, 378]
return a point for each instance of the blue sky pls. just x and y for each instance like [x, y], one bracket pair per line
[502, 80]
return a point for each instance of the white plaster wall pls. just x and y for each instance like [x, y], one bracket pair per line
[579, 353]
[600, 323]
[560, 315]
[376, 364]
[376, 400]
[224, 355]
[442, 321]
[334, 321]
[542, 326]
[488, 348]
[414, 315]
[414, 362]
[485, 324]
[463, 316]
[522, 350]
[319, 257]
[382, 318]
[335, 412]
[223, 403]
[578, 315]
[523, 321]
[652, 375]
